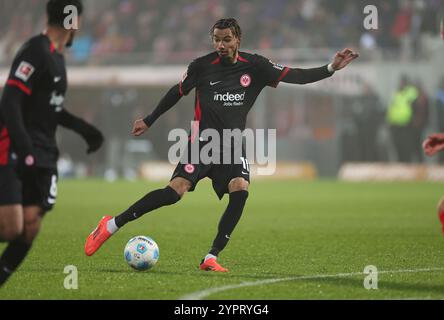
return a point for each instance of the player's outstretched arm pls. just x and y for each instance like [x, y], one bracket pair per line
[433, 144]
[304, 76]
[92, 135]
[167, 102]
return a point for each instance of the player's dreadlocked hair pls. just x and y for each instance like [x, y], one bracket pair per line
[55, 8]
[228, 23]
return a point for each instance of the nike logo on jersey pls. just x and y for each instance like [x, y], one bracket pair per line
[214, 83]
[57, 79]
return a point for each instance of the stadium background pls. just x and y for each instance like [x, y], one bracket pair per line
[319, 233]
[130, 52]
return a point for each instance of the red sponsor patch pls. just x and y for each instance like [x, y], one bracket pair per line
[189, 168]
[245, 80]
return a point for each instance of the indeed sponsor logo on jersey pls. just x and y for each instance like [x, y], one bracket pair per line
[230, 99]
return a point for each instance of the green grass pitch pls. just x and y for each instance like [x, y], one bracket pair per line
[288, 230]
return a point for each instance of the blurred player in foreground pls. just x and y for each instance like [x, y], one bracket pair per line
[31, 108]
[227, 83]
[432, 145]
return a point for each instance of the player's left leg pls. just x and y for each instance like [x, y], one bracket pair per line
[238, 190]
[156, 199]
[18, 249]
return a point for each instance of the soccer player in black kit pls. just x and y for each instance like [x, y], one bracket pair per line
[227, 83]
[31, 108]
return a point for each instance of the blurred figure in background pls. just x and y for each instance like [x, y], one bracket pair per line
[399, 117]
[362, 118]
[420, 119]
[117, 104]
[370, 119]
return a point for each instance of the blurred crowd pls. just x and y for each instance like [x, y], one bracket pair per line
[156, 31]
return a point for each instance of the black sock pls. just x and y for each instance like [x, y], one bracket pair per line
[152, 201]
[229, 220]
[11, 258]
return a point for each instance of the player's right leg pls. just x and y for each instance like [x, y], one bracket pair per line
[152, 201]
[238, 190]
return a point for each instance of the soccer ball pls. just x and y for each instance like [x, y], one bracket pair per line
[141, 253]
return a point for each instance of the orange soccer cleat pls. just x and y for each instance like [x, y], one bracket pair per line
[98, 237]
[212, 265]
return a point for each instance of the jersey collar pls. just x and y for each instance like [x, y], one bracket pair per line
[239, 58]
[52, 47]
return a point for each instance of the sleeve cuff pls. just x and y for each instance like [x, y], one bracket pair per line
[148, 121]
[330, 68]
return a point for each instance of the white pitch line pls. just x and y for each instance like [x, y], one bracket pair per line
[199, 295]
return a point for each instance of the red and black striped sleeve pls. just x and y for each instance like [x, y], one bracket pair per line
[11, 114]
[25, 71]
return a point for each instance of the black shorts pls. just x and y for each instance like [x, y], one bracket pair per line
[36, 187]
[220, 174]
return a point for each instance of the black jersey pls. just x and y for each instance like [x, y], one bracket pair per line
[39, 71]
[225, 93]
